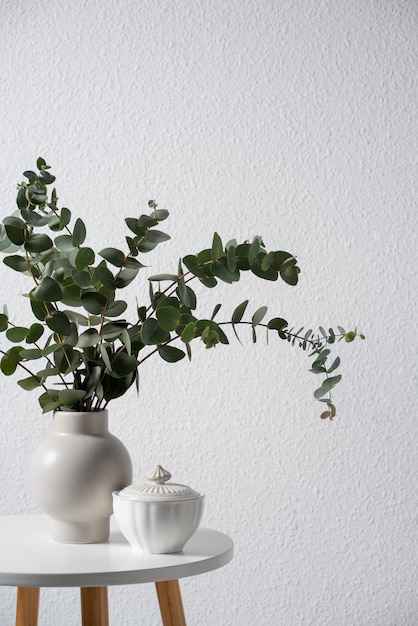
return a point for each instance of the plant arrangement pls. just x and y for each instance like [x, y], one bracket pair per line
[80, 352]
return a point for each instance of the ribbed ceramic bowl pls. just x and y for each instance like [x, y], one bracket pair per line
[160, 526]
[157, 516]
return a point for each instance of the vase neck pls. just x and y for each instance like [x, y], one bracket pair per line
[89, 422]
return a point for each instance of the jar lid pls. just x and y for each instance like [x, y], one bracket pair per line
[156, 487]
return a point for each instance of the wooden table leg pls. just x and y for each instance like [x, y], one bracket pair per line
[171, 605]
[27, 606]
[94, 606]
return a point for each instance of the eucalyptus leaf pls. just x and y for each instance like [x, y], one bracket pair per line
[30, 383]
[38, 243]
[152, 333]
[79, 233]
[170, 353]
[114, 256]
[48, 290]
[17, 334]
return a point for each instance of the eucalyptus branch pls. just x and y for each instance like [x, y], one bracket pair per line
[104, 358]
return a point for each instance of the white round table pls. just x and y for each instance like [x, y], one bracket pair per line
[29, 559]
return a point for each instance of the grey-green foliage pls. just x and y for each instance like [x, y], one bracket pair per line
[79, 351]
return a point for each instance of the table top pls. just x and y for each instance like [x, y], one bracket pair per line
[29, 558]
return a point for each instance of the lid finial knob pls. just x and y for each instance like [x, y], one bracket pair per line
[158, 475]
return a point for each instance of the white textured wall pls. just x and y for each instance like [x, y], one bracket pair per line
[292, 119]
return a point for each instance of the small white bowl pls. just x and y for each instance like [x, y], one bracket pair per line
[155, 517]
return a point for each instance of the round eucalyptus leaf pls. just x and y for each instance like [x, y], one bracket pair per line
[89, 338]
[59, 323]
[123, 364]
[38, 243]
[10, 360]
[30, 383]
[71, 397]
[152, 333]
[168, 317]
[48, 290]
[64, 243]
[171, 354]
[114, 256]
[93, 302]
[84, 258]
[116, 308]
[17, 333]
[4, 322]
[79, 233]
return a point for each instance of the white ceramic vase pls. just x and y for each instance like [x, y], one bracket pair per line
[73, 473]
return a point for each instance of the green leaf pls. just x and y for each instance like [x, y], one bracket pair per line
[46, 373]
[84, 258]
[10, 360]
[39, 309]
[32, 354]
[156, 236]
[59, 323]
[89, 338]
[65, 218]
[38, 243]
[133, 225]
[116, 308]
[168, 317]
[114, 256]
[277, 323]
[239, 312]
[210, 281]
[126, 340]
[184, 294]
[220, 270]
[350, 336]
[17, 333]
[217, 248]
[190, 261]
[35, 332]
[82, 279]
[64, 243]
[127, 274]
[79, 233]
[189, 332]
[330, 382]
[334, 366]
[71, 295]
[117, 387]
[30, 383]
[71, 397]
[161, 214]
[4, 322]
[46, 177]
[170, 354]
[103, 275]
[215, 311]
[258, 316]
[93, 302]
[152, 333]
[17, 263]
[15, 229]
[48, 290]
[231, 258]
[105, 356]
[162, 277]
[123, 364]
[254, 250]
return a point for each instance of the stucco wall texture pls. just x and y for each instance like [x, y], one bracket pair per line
[295, 120]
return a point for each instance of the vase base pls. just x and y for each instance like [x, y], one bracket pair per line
[96, 531]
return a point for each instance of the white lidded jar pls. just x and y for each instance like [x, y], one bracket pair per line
[157, 516]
